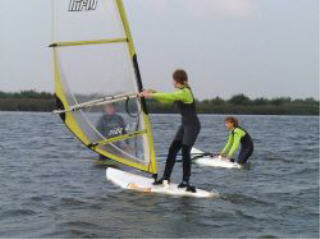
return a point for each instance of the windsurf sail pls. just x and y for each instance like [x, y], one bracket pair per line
[97, 80]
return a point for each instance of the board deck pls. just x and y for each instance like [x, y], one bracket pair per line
[143, 184]
[215, 161]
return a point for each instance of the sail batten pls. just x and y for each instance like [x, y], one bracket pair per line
[119, 138]
[88, 42]
[97, 82]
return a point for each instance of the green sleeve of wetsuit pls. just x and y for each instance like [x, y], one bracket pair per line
[228, 144]
[238, 134]
[183, 95]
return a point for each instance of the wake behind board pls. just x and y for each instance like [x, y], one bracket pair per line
[215, 161]
[139, 183]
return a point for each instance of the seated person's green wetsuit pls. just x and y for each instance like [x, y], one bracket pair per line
[239, 136]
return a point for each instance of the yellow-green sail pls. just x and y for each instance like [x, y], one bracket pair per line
[95, 65]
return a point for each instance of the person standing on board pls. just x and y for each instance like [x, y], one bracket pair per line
[187, 132]
[238, 136]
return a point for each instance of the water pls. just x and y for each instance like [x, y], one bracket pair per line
[49, 186]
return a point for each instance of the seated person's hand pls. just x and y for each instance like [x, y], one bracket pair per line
[223, 155]
[229, 158]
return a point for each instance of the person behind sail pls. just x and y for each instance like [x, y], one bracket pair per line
[238, 136]
[187, 132]
[111, 124]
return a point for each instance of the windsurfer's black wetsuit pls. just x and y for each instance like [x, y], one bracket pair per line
[239, 136]
[187, 132]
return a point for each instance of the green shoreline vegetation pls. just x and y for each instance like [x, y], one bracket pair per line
[31, 100]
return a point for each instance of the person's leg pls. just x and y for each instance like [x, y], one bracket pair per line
[250, 152]
[186, 151]
[244, 154]
[186, 155]
[172, 155]
[189, 139]
[171, 159]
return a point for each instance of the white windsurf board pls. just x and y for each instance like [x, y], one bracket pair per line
[216, 161]
[139, 183]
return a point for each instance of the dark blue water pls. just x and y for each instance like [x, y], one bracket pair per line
[49, 186]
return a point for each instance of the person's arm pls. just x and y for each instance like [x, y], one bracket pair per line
[158, 97]
[184, 95]
[238, 134]
[228, 145]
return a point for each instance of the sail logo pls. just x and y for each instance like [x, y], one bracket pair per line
[82, 5]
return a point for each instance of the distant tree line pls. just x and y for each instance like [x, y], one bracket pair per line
[241, 104]
[31, 100]
[26, 94]
[28, 100]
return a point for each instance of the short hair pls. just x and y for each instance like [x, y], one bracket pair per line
[232, 120]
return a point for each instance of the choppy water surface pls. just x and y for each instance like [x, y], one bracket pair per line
[49, 186]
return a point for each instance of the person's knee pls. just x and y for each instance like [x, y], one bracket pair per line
[186, 150]
[243, 158]
[175, 146]
[251, 151]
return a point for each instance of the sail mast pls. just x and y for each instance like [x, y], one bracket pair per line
[132, 51]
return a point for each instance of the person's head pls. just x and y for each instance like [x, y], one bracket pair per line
[231, 123]
[180, 78]
[109, 109]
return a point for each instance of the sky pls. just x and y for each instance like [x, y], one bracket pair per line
[262, 48]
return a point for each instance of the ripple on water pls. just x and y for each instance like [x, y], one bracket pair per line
[6, 214]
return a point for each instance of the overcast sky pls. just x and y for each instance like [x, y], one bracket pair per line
[266, 48]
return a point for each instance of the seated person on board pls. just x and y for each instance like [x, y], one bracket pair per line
[238, 136]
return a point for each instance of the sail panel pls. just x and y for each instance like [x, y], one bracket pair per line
[94, 71]
[79, 20]
[94, 59]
